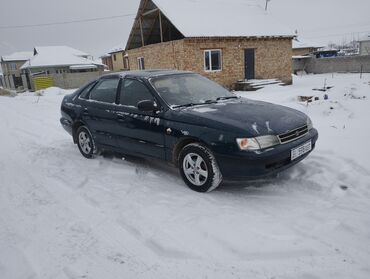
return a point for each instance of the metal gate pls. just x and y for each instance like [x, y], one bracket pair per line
[42, 82]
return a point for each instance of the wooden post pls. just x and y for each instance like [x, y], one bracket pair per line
[141, 31]
[362, 68]
[160, 26]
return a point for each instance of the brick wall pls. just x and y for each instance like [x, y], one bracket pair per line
[273, 57]
[74, 80]
[168, 55]
[340, 64]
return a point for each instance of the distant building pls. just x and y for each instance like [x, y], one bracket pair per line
[11, 68]
[326, 53]
[224, 40]
[119, 59]
[1, 79]
[301, 47]
[107, 61]
[60, 66]
[365, 45]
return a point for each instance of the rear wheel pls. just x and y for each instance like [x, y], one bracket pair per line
[85, 142]
[198, 168]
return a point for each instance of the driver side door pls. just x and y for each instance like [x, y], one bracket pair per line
[139, 132]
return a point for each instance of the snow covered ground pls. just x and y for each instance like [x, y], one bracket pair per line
[66, 217]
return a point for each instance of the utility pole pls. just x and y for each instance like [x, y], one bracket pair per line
[267, 1]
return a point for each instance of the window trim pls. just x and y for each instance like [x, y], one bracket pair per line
[96, 84]
[140, 65]
[93, 83]
[132, 107]
[210, 60]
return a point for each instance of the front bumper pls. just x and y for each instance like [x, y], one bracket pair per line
[250, 165]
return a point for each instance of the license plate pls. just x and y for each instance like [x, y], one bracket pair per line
[301, 150]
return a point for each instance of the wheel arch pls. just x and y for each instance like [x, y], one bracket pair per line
[181, 144]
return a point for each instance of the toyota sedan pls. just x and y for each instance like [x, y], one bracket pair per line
[209, 133]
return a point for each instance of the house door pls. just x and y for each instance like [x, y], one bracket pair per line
[249, 63]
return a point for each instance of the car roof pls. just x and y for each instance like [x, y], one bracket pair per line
[147, 73]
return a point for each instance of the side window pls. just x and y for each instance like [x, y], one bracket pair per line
[134, 91]
[212, 60]
[105, 91]
[85, 93]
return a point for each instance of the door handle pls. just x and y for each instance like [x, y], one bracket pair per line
[85, 111]
[121, 117]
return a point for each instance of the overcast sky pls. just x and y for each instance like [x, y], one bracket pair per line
[316, 20]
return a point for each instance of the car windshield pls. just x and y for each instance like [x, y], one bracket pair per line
[189, 89]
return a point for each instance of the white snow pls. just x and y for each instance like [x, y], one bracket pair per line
[115, 49]
[18, 56]
[58, 56]
[229, 18]
[63, 216]
[299, 43]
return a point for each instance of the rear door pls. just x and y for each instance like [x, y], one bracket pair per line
[98, 112]
[139, 132]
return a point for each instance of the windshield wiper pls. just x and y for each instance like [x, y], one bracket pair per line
[227, 97]
[195, 104]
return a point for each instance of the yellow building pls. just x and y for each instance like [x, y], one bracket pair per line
[119, 59]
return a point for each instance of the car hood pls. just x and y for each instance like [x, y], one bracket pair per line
[244, 116]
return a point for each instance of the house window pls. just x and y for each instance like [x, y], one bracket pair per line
[126, 63]
[13, 66]
[140, 63]
[114, 57]
[212, 60]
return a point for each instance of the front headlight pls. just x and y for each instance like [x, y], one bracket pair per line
[257, 143]
[309, 123]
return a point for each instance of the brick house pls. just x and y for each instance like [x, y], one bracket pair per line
[225, 40]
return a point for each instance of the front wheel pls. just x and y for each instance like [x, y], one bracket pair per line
[85, 142]
[198, 168]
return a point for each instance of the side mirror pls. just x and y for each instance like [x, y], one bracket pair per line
[147, 105]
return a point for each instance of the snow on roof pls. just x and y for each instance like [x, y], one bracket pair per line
[297, 44]
[58, 56]
[87, 66]
[116, 49]
[60, 49]
[221, 18]
[105, 55]
[301, 56]
[18, 56]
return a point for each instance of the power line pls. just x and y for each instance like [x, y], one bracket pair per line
[336, 35]
[65, 22]
[335, 27]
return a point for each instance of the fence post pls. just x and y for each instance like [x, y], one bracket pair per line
[362, 67]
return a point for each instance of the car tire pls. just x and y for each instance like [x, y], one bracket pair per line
[198, 168]
[85, 142]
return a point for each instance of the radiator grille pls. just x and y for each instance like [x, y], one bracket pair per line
[293, 135]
